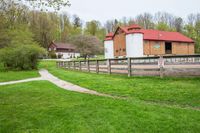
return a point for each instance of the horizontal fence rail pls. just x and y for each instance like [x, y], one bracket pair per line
[181, 65]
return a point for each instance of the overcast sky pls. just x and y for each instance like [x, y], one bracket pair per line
[103, 10]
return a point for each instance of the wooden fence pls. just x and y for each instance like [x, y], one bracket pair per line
[183, 65]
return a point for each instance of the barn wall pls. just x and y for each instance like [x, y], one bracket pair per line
[158, 48]
[182, 48]
[108, 47]
[191, 48]
[154, 47]
[120, 44]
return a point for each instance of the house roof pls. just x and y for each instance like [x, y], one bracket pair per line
[165, 36]
[109, 36]
[155, 35]
[59, 45]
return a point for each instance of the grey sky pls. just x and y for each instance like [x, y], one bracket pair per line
[103, 10]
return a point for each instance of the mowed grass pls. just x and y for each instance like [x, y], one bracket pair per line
[170, 91]
[41, 107]
[7, 75]
[17, 75]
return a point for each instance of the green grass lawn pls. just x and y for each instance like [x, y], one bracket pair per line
[17, 75]
[170, 105]
[8, 75]
[170, 91]
[41, 107]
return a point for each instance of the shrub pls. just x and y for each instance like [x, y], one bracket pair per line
[60, 56]
[52, 55]
[21, 57]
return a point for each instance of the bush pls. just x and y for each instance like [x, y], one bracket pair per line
[52, 55]
[21, 57]
[60, 56]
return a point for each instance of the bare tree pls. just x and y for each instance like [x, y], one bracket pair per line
[109, 26]
[178, 24]
[145, 20]
[164, 17]
[131, 21]
[191, 19]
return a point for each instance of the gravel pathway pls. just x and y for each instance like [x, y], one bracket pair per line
[68, 86]
[21, 81]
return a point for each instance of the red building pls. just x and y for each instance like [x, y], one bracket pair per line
[133, 41]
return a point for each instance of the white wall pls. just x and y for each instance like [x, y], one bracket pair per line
[66, 55]
[108, 49]
[134, 45]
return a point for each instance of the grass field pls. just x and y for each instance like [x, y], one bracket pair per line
[173, 91]
[42, 107]
[17, 75]
[152, 105]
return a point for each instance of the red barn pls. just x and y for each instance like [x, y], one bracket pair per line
[133, 41]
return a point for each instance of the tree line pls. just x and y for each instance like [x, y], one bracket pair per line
[163, 21]
[31, 22]
[46, 26]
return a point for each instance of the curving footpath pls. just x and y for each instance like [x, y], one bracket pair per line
[45, 75]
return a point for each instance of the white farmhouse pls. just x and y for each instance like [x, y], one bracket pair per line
[64, 50]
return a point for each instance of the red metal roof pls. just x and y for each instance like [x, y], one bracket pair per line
[131, 27]
[109, 36]
[155, 35]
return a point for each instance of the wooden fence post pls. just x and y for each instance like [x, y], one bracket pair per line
[80, 65]
[57, 64]
[65, 64]
[129, 66]
[161, 66]
[88, 65]
[97, 66]
[60, 64]
[74, 65]
[69, 65]
[109, 66]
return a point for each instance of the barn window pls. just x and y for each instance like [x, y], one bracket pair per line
[116, 50]
[157, 45]
[124, 50]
